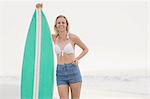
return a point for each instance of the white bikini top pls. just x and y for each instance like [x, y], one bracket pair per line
[67, 49]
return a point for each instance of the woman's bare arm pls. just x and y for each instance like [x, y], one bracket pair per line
[78, 42]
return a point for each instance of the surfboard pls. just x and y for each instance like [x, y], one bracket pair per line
[37, 77]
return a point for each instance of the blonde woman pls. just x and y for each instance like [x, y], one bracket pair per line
[67, 74]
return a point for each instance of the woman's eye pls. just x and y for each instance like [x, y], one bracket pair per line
[61, 23]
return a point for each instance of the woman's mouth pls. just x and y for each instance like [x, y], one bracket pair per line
[61, 27]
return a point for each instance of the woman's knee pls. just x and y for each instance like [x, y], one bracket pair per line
[75, 97]
[64, 96]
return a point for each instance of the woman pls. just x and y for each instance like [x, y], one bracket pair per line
[68, 74]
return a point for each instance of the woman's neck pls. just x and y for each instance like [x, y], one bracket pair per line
[63, 35]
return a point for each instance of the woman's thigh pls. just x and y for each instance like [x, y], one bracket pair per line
[75, 90]
[63, 91]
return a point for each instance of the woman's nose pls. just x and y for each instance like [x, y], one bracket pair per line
[61, 24]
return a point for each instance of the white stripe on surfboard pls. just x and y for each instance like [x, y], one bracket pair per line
[37, 55]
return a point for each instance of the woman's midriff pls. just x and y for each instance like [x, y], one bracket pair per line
[65, 59]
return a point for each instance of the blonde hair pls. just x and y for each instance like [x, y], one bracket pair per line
[55, 28]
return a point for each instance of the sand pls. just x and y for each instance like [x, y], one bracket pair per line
[93, 87]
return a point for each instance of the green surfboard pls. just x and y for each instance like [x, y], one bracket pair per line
[37, 78]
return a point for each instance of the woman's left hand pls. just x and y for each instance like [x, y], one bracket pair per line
[75, 61]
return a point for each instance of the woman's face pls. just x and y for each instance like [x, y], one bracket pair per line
[61, 24]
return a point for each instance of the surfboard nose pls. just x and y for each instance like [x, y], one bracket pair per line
[39, 6]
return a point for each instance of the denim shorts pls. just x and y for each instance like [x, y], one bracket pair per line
[67, 74]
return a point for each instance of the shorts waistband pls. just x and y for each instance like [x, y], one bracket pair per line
[65, 64]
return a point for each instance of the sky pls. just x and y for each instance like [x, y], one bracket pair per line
[115, 31]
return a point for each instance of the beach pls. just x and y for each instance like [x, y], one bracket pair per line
[97, 87]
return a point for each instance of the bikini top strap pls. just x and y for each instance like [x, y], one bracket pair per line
[68, 37]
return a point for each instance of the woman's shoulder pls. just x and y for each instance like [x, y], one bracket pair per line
[53, 35]
[73, 36]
